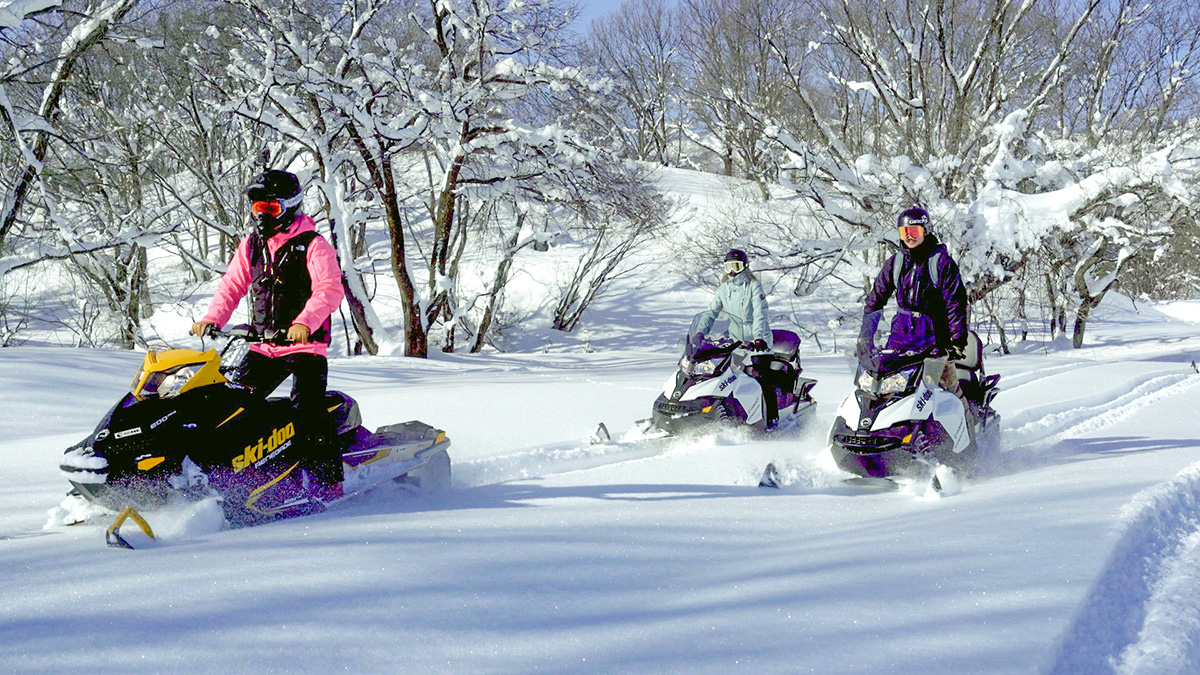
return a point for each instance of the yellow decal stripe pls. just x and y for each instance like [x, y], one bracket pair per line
[378, 456]
[235, 414]
[258, 491]
[150, 463]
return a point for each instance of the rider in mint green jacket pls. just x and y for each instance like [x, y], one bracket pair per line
[742, 297]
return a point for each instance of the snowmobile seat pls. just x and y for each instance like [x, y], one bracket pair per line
[786, 344]
[343, 410]
[973, 357]
[970, 368]
[972, 390]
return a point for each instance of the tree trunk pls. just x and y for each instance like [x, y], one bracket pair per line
[352, 288]
[416, 341]
[1081, 319]
[498, 284]
[1052, 298]
[358, 317]
[1089, 300]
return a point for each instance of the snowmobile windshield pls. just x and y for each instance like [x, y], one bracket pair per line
[891, 341]
[713, 334]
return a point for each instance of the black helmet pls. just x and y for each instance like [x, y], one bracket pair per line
[274, 186]
[736, 261]
[915, 216]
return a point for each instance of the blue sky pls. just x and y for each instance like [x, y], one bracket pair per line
[595, 8]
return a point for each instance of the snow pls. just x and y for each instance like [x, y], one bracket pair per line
[13, 12]
[1074, 551]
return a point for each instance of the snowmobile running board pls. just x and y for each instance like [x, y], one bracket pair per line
[113, 535]
[873, 483]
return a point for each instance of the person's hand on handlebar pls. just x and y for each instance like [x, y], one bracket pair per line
[298, 333]
[759, 345]
[200, 328]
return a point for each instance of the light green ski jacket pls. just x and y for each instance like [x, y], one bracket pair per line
[742, 297]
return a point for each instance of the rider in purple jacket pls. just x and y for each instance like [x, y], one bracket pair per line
[937, 293]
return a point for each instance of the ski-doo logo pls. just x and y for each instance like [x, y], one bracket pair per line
[164, 419]
[128, 432]
[102, 435]
[268, 447]
[924, 399]
[725, 383]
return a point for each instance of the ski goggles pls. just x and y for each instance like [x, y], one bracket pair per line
[734, 266]
[266, 208]
[911, 231]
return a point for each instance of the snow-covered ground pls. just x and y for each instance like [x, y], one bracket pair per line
[1074, 552]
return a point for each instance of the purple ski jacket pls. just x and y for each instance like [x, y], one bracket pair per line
[945, 304]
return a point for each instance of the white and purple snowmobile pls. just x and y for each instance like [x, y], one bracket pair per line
[899, 421]
[184, 430]
[719, 379]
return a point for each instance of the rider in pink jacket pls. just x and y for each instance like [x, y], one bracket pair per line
[326, 294]
[294, 283]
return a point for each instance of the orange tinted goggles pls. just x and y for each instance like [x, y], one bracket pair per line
[271, 208]
[911, 232]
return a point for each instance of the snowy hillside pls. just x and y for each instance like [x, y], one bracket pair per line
[1074, 552]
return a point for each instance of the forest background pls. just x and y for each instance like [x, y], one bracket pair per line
[444, 142]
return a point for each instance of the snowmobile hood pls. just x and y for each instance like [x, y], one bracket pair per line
[175, 371]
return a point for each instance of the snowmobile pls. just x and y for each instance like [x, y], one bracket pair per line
[185, 430]
[899, 421]
[719, 379]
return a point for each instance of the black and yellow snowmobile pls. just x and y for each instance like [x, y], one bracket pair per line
[184, 430]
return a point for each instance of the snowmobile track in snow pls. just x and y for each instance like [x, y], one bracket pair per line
[1011, 382]
[1044, 429]
[567, 457]
[1148, 582]
[554, 459]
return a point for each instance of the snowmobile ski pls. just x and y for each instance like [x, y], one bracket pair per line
[601, 435]
[112, 536]
[770, 477]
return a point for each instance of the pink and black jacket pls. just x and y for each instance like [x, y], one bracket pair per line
[295, 278]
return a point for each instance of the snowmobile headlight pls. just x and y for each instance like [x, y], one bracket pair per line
[866, 381]
[167, 383]
[896, 382]
[693, 368]
[888, 384]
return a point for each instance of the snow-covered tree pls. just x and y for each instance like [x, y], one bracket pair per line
[640, 47]
[35, 82]
[441, 129]
[977, 121]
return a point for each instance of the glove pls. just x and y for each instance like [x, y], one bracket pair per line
[201, 328]
[298, 333]
[956, 352]
[756, 345]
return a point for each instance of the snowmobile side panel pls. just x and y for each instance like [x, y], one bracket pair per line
[915, 406]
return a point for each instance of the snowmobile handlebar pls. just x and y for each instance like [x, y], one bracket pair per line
[249, 335]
